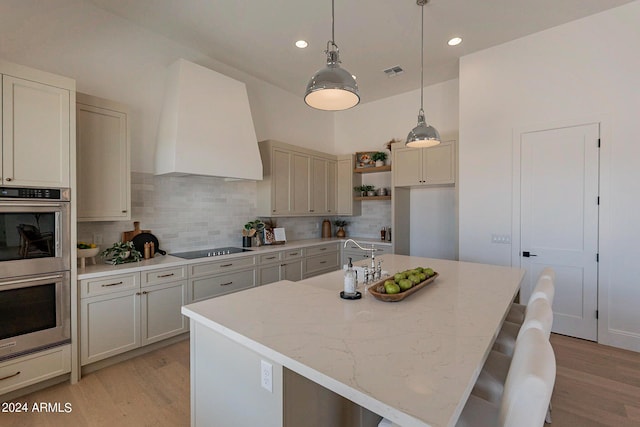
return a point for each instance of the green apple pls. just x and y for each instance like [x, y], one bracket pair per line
[429, 272]
[389, 282]
[392, 288]
[422, 276]
[405, 284]
[414, 278]
[399, 276]
[419, 269]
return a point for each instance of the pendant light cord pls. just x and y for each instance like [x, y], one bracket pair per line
[333, 37]
[422, 61]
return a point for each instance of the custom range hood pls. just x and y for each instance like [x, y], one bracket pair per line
[206, 126]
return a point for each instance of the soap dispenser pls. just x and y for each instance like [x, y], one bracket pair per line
[349, 281]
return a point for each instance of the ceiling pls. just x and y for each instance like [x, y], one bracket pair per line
[258, 37]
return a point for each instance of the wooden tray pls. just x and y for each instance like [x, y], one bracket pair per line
[402, 295]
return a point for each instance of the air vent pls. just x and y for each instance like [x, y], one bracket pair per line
[394, 71]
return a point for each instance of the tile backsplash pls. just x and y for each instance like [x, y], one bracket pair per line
[198, 212]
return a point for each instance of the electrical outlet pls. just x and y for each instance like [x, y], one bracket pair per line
[501, 238]
[97, 238]
[266, 375]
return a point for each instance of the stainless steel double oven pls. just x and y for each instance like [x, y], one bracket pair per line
[35, 264]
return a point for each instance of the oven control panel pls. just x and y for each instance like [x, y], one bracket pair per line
[30, 193]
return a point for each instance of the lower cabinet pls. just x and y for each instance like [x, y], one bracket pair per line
[34, 368]
[321, 259]
[213, 286]
[118, 313]
[357, 254]
[283, 265]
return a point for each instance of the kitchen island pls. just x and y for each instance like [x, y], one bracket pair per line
[413, 362]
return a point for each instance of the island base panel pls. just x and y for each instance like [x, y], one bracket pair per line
[225, 383]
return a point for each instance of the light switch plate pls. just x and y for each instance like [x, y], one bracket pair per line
[266, 375]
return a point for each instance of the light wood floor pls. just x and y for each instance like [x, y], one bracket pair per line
[595, 386]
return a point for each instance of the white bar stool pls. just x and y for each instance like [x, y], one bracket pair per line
[527, 391]
[517, 311]
[490, 383]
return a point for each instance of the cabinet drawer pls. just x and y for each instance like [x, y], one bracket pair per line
[165, 275]
[213, 286]
[206, 268]
[316, 250]
[105, 285]
[31, 369]
[293, 254]
[329, 261]
[270, 257]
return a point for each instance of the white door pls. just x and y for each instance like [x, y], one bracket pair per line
[559, 221]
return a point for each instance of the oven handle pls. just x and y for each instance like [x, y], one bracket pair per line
[31, 279]
[31, 205]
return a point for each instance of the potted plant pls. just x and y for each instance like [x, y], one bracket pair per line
[379, 157]
[120, 253]
[370, 189]
[362, 189]
[340, 223]
[252, 229]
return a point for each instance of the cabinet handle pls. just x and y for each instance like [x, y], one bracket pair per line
[112, 284]
[166, 275]
[293, 253]
[138, 293]
[323, 249]
[311, 210]
[323, 262]
[124, 211]
[226, 265]
[9, 180]
[226, 284]
[144, 292]
[270, 257]
[10, 376]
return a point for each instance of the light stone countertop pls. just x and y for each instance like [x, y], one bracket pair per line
[101, 269]
[413, 362]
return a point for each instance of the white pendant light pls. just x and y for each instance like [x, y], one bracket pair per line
[332, 88]
[423, 135]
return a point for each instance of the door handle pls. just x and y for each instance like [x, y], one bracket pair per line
[527, 254]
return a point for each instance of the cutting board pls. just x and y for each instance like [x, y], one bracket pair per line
[127, 236]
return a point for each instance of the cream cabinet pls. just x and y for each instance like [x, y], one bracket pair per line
[324, 180]
[346, 205]
[282, 265]
[36, 127]
[424, 166]
[215, 278]
[103, 160]
[119, 313]
[297, 181]
[357, 254]
[321, 259]
[34, 368]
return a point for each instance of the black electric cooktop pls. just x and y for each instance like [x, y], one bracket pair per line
[210, 252]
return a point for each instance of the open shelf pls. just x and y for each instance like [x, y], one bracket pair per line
[385, 168]
[372, 198]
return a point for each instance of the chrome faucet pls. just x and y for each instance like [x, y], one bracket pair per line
[372, 250]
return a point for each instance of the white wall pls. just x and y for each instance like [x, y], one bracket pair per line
[578, 71]
[369, 126]
[433, 216]
[115, 59]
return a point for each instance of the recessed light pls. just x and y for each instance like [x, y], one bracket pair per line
[455, 41]
[301, 44]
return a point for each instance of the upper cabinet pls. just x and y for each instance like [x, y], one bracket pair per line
[297, 181]
[414, 167]
[103, 165]
[37, 127]
[346, 205]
